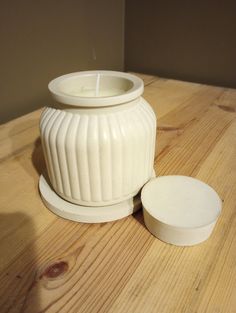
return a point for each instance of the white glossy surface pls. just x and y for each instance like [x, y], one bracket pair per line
[180, 210]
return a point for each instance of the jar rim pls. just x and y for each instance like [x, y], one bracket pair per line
[129, 87]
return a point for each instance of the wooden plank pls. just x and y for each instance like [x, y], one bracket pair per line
[147, 79]
[166, 94]
[48, 264]
[195, 279]
[18, 134]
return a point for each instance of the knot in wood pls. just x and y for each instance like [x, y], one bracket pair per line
[56, 269]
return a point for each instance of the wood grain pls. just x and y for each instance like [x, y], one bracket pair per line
[48, 264]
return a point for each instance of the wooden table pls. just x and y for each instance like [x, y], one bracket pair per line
[49, 264]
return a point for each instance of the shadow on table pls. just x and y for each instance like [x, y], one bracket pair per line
[18, 265]
[139, 217]
[21, 152]
[38, 158]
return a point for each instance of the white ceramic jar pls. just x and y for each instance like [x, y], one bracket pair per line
[99, 139]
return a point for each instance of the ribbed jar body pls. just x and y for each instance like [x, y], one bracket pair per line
[99, 156]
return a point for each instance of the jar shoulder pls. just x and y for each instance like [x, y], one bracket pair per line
[140, 105]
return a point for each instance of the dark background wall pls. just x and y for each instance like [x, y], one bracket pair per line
[41, 40]
[188, 40]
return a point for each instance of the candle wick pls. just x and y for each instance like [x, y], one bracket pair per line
[97, 85]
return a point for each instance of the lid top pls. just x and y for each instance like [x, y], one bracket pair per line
[181, 201]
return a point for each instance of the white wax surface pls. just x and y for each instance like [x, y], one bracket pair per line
[84, 92]
[181, 201]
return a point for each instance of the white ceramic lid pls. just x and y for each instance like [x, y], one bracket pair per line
[180, 210]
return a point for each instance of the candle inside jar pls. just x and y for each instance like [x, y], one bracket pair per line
[84, 92]
[96, 86]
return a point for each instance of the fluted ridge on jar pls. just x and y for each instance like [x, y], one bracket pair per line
[99, 159]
